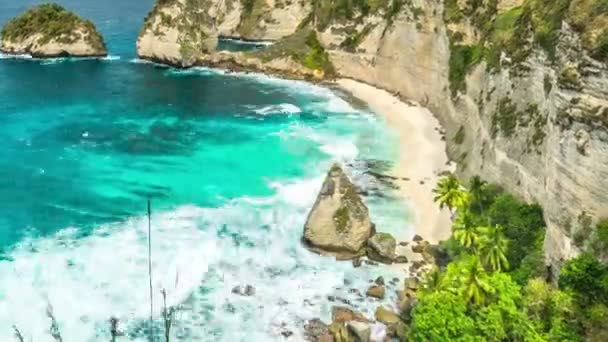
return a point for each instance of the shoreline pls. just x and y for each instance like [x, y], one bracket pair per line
[422, 156]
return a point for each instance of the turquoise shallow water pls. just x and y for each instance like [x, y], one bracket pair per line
[232, 164]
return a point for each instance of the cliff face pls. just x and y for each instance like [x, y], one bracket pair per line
[178, 32]
[51, 31]
[538, 125]
[519, 86]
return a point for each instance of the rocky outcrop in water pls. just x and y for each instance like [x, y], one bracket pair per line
[339, 222]
[49, 30]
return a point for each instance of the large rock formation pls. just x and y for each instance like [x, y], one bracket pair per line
[49, 30]
[183, 32]
[177, 32]
[519, 86]
[339, 222]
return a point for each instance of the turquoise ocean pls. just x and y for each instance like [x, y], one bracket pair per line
[232, 164]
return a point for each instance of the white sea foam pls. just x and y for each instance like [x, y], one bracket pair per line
[10, 56]
[249, 42]
[283, 108]
[46, 61]
[199, 256]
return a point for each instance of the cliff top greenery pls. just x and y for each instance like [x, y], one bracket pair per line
[303, 47]
[517, 31]
[327, 11]
[51, 21]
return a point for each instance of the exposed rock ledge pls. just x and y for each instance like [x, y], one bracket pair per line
[49, 30]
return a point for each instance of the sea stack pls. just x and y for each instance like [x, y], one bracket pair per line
[339, 222]
[176, 33]
[49, 30]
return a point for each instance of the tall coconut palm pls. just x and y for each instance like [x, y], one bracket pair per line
[450, 193]
[475, 288]
[476, 189]
[464, 229]
[493, 247]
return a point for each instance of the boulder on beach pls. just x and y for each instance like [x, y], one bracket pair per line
[317, 331]
[395, 326]
[360, 331]
[376, 291]
[382, 248]
[339, 222]
[49, 30]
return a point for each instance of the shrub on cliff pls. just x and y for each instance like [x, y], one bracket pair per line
[50, 20]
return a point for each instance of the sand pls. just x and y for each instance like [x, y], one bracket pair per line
[422, 156]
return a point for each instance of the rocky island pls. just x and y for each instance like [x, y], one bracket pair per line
[48, 31]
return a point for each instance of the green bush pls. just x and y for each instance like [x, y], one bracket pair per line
[587, 278]
[602, 232]
[50, 20]
[523, 224]
[462, 59]
[601, 47]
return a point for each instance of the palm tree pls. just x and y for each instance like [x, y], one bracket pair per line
[450, 193]
[464, 229]
[475, 288]
[476, 189]
[493, 246]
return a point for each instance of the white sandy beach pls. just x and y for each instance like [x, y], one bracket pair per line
[422, 156]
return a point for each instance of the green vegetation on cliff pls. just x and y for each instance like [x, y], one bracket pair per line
[517, 31]
[304, 48]
[495, 288]
[326, 12]
[52, 22]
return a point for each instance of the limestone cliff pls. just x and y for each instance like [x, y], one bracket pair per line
[521, 93]
[519, 85]
[178, 32]
[51, 31]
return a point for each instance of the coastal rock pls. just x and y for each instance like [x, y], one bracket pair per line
[177, 33]
[246, 290]
[412, 284]
[339, 332]
[395, 326]
[401, 259]
[361, 332]
[341, 314]
[317, 331]
[376, 291]
[382, 248]
[339, 222]
[50, 30]
[421, 247]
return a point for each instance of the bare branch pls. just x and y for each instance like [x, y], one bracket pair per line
[168, 315]
[150, 268]
[114, 328]
[18, 334]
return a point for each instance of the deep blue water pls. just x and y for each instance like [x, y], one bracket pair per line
[231, 162]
